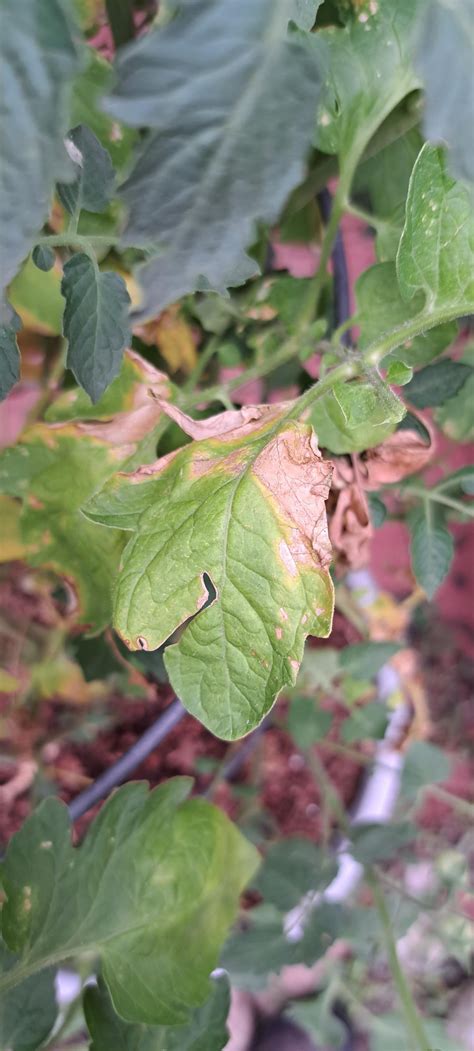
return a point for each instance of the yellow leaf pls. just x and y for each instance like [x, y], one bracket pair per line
[174, 339]
[8, 683]
[12, 546]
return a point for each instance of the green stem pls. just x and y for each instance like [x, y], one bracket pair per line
[203, 360]
[75, 240]
[366, 217]
[412, 1018]
[432, 495]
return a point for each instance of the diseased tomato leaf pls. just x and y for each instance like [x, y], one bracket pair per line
[54, 468]
[241, 512]
[152, 891]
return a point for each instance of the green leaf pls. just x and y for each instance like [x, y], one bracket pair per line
[205, 1031]
[43, 257]
[92, 188]
[319, 669]
[436, 246]
[445, 58]
[38, 59]
[456, 417]
[462, 479]
[373, 843]
[381, 309]
[432, 549]
[437, 383]
[385, 178]
[88, 88]
[217, 86]
[96, 323]
[363, 660]
[425, 764]
[223, 510]
[9, 352]
[399, 373]
[315, 1016]
[367, 721]
[307, 724]
[367, 70]
[28, 1011]
[291, 868]
[356, 416]
[377, 510]
[151, 890]
[36, 296]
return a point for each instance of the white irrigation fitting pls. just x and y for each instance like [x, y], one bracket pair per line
[379, 794]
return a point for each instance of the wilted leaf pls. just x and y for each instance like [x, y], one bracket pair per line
[218, 86]
[9, 352]
[436, 246]
[151, 890]
[432, 548]
[243, 507]
[354, 416]
[435, 384]
[206, 1030]
[367, 69]
[402, 454]
[291, 868]
[174, 339]
[36, 296]
[95, 323]
[38, 60]
[445, 58]
[27, 1012]
[424, 764]
[94, 181]
[350, 528]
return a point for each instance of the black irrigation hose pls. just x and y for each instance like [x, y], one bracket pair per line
[342, 300]
[128, 762]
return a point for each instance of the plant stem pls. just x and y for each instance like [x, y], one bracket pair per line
[75, 240]
[204, 358]
[328, 792]
[462, 806]
[412, 1018]
[432, 495]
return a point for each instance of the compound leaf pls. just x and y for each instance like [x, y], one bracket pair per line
[205, 1031]
[95, 323]
[38, 60]
[151, 890]
[217, 86]
[241, 513]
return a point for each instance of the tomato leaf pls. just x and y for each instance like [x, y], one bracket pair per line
[240, 512]
[424, 764]
[28, 1011]
[93, 185]
[445, 58]
[205, 1031]
[95, 323]
[432, 549]
[217, 86]
[355, 416]
[43, 257]
[9, 352]
[151, 890]
[38, 59]
[291, 868]
[437, 383]
[435, 251]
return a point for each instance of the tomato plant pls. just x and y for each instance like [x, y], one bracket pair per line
[210, 444]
